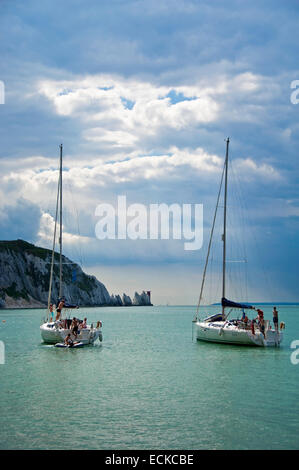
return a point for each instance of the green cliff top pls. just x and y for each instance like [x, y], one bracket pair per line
[23, 246]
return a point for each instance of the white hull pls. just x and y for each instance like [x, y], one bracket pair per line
[52, 334]
[228, 333]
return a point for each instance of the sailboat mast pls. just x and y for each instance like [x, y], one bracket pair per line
[224, 226]
[60, 222]
[53, 248]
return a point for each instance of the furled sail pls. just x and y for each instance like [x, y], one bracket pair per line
[228, 303]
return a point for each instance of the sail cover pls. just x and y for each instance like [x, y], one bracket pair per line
[228, 303]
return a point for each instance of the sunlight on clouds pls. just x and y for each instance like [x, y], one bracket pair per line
[119, 116]
[46, 232]
[248, 82]
[105, 100]
[114, 138]
[119, 112]
[249, 168]
[177, 164]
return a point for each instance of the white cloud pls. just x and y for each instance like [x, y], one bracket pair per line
[46, 233]
[85, 185]
[114, 138]
[122, 119]
[248, 168]
[247, 82]
[126, 110]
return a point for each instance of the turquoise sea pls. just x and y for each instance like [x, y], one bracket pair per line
[148, 386]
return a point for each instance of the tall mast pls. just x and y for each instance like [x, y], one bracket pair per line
[210, 243]
[224, 225]
[60, 222]
[53, 248]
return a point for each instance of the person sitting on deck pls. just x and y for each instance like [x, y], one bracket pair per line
[245, 318]
[84, 323]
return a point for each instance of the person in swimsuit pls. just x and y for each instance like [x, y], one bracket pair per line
[74, 327]
[262, 326]
[260, 316]
[275, 319]
[51, 313]
[245, 319]
[59, 309]
[68, 341]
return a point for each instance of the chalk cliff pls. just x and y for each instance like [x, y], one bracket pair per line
[24, 280]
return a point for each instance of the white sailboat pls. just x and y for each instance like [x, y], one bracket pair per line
[54, 330]
[220, 328]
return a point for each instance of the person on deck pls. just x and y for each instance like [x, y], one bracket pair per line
[260, 315]
[245, 318]
[74, 327]
[59, 309]
[275, 319]
[252, 327]
[62, 304]
[262, 326]
[51, 312]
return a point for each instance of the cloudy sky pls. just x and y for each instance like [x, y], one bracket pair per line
[143, 93]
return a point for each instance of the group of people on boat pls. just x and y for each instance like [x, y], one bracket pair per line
[260, 321]
[75, 329]
[74, 324]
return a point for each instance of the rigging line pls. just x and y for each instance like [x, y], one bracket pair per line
[241, 211]
[238, 193]
[253, 237]
[60, 224]
[210, 242]
[242, 202]
[79, 249]
[53, 249]
[214, 268]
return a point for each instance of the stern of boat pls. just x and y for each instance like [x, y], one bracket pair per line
[50, 334]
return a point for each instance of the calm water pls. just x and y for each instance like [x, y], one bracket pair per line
[147, 387]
